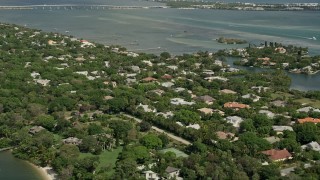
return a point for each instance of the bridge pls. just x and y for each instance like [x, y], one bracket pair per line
[76, 7]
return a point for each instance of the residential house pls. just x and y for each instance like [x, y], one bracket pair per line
[149, 79]
[269, 114]
[234, 120]
[135, 69]
[173, 173]
[43, 82]
[312, 145]
[309, 119]
[211, 78]
[150, 175]
[278, 155]
[194, 126]
[287, 171]
[206, 111]
[179, 89]
[280, 129]
[206, 99]
[260, 89]
[253, 97]
[72, 141]
[167, 84]
[227, 91]
[235, 105]
[166, 76]
[281, 50]
[224, 135]
[308, 109]
[173, 67]
[158, 91]
[35, 129]
[278, 103]
[180, 101]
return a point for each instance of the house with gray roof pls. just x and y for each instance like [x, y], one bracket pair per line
[308, 109]
[312, 145]
[280, 129]
[234, 120]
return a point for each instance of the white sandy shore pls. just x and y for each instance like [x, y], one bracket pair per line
[46, 172]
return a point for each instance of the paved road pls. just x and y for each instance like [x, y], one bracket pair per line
[177, 138]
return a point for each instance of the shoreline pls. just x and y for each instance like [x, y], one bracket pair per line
[46, 173]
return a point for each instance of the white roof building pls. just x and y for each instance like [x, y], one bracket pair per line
[312, 145]
[180, 101]
[234, 120]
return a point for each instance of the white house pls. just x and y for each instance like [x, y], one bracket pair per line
[234, 120]
[150, 175]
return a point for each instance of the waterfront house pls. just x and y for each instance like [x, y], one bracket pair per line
[277, 155]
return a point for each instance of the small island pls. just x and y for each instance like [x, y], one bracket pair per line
[231, 40]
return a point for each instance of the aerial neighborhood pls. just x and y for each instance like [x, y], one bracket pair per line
[102, 112]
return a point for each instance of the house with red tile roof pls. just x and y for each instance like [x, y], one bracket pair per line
[309, 119]
[278, 155]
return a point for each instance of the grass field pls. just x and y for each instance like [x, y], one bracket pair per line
[106, 157]
[311, 102]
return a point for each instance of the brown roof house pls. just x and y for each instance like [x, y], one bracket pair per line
[206, 111]
[235, 105]
[278, 155]
[149, 79]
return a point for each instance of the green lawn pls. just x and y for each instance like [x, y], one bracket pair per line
[311, 102]
[280, 95]
[106, 157]
[176, 151]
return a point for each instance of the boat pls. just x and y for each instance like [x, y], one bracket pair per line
[314, 38]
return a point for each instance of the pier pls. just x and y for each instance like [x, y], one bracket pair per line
[76, 7]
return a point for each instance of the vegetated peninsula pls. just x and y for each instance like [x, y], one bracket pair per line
[101, 112]
[277, 56]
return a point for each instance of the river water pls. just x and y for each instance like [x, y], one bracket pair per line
[12, 168]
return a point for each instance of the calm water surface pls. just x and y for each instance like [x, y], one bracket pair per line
[177, 31]
[14, 169]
